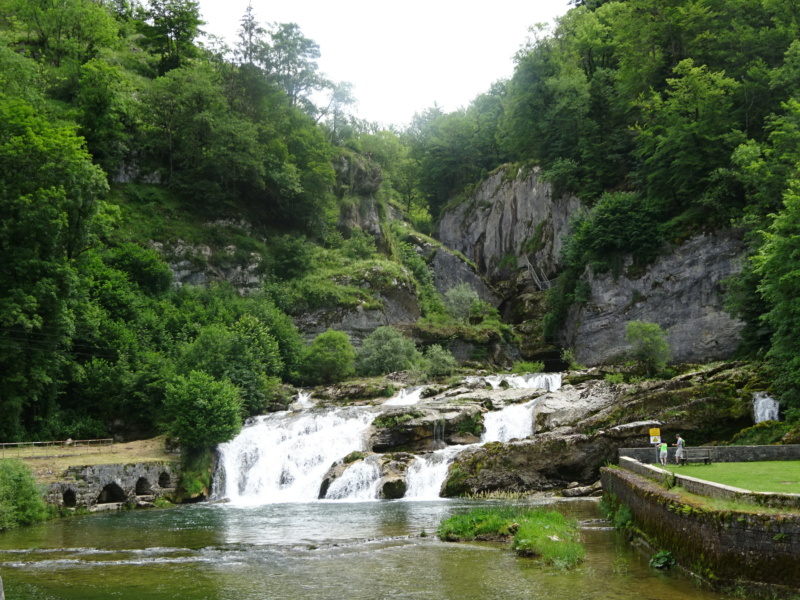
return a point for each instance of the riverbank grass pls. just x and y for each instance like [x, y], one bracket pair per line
[544, 534]
[772, 476]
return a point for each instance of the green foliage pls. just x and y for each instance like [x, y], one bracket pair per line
[528, 367]
[360, 245]
[662, 559]
[568, 357]
[460, 300]
[20, 498]
[547, 535]
[614, 378]
[650, 348]
[386, 350]
[330, 358]
[623, 518]
[778, 265]
[438, 362]
[201, 411]
[389, 421]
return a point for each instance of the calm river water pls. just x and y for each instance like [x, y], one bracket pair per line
[317, 550]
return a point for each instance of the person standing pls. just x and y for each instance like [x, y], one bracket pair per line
[663, 453]
[679, 450]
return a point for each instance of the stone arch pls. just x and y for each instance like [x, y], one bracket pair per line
[143, 487]
[164, 480]
[69, 499]
[111, 493]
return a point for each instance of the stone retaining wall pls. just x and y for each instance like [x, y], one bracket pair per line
[113, 485]
[723, 547]
[722, 453]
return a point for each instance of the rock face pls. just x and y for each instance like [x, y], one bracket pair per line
[681, 291]
[548, 461]
[400, 307]
[423, 429]
[112, 486]
[509, 217]
[450, 270]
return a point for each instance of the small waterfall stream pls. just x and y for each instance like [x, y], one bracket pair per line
[283, 457]
[765, 407]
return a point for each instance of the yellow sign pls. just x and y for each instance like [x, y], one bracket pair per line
[654, 432]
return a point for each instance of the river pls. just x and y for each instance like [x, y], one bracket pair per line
[314, 550]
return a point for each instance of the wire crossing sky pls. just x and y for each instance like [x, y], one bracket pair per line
[402, 56]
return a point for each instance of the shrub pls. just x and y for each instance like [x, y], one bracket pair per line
[650, 348]
[291, 257]
[459, 301]
[439, 362]
[201, 411]
[615, 377]
[385, 350]
[20, 499]
[528, 367]
[360, 246]
[330, 358]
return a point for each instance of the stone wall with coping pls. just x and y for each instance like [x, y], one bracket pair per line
[725, 547]
[702, 487]
[722, 453]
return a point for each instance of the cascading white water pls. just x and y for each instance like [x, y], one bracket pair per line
[303, 401]
[515, 421]
[357, 483]
[765, 407]
[546, 381]
[426, 475]
[283, 457]
[406, 397]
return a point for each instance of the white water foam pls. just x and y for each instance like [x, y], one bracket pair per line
[515, 421]
[283, 457]
[427, 474]
[358, 483]
[303, 401]
[545, 381]
[406, 397]
[765, 407]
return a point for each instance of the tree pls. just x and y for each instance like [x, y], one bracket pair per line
[201, 411]
[170, 29]
[459, 301]
[290, 62]
[778, 264]
[650, 347]
[330, 358]
[20, 499]
[251, 37]
[385, 350]
[49, 191]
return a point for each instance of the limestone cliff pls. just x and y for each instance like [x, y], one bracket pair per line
[510, 217]
[509, 220]
[681, 291]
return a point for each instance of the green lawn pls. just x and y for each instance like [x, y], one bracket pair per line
[773, 476]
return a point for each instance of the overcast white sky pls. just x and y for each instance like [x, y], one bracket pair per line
[402, 56]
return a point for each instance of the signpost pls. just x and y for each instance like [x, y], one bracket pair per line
[655, 439]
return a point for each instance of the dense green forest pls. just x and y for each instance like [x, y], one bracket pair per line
[121, 125]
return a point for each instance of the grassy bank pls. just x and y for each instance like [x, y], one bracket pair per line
[544, 534]
[49, 464]
[773, 476]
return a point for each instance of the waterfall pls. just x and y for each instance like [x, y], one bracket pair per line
[426, 475]
[359, 482]
[406, 397]
[765, 407]
[282, 457]
[303, 401]
[515, 421]
[546, 381]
